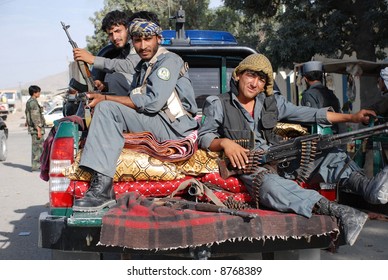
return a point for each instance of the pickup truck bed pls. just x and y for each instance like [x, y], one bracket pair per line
[180, 232]
[197, 235]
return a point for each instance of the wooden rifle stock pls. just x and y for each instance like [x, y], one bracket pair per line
[83, 66]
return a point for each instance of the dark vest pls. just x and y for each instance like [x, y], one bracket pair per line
[236, 127]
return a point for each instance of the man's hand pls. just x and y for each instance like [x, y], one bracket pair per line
[363, 116]
[83, 55]
[39, 132]
[237, 155]
[94, 98]
[99, 85]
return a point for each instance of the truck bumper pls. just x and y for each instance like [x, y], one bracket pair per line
[56, 233]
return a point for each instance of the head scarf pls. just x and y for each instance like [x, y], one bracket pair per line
[384, 76]
[144, 28]
[257, 63]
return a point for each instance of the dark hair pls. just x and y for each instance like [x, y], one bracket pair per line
[114, 18]
[150, 16]
[33, 89]
[314, 76]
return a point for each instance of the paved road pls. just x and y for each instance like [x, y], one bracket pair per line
[23, 196]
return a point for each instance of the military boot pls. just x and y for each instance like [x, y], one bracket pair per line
[352, 220]
[373, 190]
[99, 195]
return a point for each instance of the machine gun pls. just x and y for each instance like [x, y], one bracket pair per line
[303, 148]
[82, 66]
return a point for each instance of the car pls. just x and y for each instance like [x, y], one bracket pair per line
[3, 140]
[4, 110]
[53, 114]
[11, 96]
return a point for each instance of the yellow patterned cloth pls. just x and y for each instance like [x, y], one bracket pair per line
[257, 62]
[134, 166]
[290, 130]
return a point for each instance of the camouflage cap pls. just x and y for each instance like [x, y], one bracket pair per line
[257, 62]
[142, 27]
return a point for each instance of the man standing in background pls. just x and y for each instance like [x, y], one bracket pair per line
[35, 122]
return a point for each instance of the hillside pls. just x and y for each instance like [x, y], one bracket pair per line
[53, 83]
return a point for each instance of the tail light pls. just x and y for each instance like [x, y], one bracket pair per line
[62, 156]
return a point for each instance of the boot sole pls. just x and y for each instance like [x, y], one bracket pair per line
[383, 194]
[107, 204]
[361, 224]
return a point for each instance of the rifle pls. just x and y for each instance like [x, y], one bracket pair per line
[82, 66]
[201, 206]
[303, 147]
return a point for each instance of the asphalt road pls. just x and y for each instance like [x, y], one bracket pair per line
[23, 195]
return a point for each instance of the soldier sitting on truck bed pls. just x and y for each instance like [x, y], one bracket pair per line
[118, 71]
[251, 110]
[159, 77]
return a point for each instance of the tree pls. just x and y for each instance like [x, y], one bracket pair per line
[295, 30]
[197, 16]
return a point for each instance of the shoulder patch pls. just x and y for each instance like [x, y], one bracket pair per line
[164, 73]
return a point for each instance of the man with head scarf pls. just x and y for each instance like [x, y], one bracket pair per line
[161, 100]
[381, 106]
[248, 114]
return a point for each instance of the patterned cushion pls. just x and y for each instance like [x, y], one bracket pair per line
[133, 166]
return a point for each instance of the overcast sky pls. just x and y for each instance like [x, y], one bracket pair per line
[33, 43]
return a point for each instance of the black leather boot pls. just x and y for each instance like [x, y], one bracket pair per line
[373, 190]
[352, 220]
[99, 195]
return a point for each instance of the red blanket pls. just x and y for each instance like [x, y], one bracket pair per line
[137, 223]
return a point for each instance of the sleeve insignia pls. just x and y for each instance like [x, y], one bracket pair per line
[164, 73]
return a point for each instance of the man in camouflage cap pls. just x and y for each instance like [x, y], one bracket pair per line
[248, 113]
[158, 78]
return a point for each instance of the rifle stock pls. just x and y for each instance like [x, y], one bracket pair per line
[82, 66]
[202, 206]
[294, 148]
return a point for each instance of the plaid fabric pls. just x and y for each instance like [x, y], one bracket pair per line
[141, 27]
[137, 223]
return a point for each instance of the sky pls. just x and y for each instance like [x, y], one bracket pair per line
[33, 43]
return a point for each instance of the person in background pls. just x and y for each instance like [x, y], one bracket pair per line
[36, 123]
[159, 78]
[252, 110]
[317, 95]
[120, 69]
[381, 106]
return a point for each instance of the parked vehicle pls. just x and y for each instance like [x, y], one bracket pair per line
[3, 140]
[4, 110]
[52, 115]
[11, 96]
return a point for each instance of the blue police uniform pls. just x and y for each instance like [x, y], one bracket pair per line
[105, 140]
[277, 192]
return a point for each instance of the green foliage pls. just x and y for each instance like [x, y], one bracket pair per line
[295, 30]
[197, 16]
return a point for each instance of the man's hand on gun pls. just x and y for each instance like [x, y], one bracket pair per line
[83, 55]
[237, 155]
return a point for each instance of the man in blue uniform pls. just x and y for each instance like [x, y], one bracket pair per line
[317, 95]
[250, 111]
[161, 100]
[119, 70]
